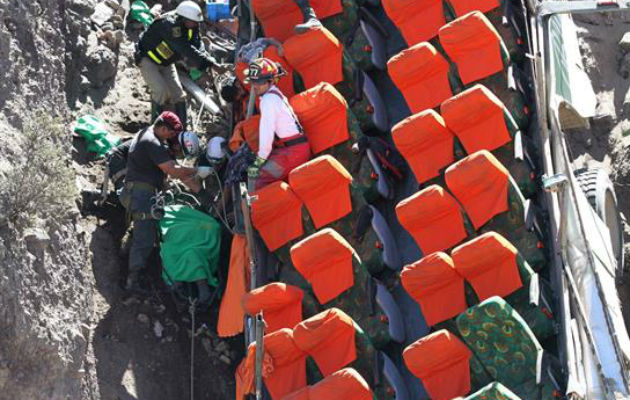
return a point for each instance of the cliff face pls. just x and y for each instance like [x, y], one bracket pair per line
[45, 282]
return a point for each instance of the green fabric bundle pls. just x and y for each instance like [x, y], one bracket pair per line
[140, 12]
[191, 242]
[93, 130]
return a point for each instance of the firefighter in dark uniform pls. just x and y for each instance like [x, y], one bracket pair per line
[172, 37]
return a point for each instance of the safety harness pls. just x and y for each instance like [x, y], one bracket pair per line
[295, 139]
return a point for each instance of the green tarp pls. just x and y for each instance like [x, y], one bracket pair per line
[94, 131]
[191, 242]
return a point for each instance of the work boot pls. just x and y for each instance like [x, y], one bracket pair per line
[181, 111]
[156, 110]
[310, 21]
[203, 291]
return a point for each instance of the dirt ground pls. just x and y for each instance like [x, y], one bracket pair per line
[142, 344]
[607, 143]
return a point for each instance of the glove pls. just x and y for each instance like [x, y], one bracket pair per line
[195, 74]
[253, 171]
[204, 172]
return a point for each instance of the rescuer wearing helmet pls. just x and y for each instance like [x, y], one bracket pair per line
[282, 144]
[189, 144]
[173, 36]
[148, 163]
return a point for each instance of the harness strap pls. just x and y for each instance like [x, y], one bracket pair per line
[286, 103]
[140, 185]
[118, 174]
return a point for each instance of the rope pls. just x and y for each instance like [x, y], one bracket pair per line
[223, 217]
[191, 310]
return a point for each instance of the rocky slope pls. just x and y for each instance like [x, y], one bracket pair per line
[45, 285]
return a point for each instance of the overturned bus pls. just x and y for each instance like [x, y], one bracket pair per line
[486, 267]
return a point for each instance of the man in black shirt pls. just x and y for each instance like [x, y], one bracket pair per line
[149, 162]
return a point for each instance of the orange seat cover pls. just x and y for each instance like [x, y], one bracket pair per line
[323, 184]
[246, 131]
[280, 303]
[302, 394]
[231, 313]
[284, 366]
[436, 286]
[285, 84]
[239, 71]
[426, 143]
[316, 55]
[480, 183]
[278, 17]
[433, 218]
[325, 261]
[329, 338]
[277, 215]
[474, 46]
[441, 361]
[462, 7]
[323, 113]
[345, 384]
[417, 20]
[421, 74]
[476, 116]
[489, 263]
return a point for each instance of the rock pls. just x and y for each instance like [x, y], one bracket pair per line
[3, 252]
[37, 240]
[624, 43]
[118, 22]
[108, 26]
[102, 13]
[143, 318]
[158, 329]
[112, 39]
[101, 66]
[4, 376]
[81, 7]
[160, 308]
[603, 122]
[131, 300]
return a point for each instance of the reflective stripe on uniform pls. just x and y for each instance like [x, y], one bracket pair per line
[164, 50]
[190, 34]
[154, 57]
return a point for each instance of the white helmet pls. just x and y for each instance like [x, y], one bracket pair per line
[189, 142]
[215, 152]
[190, 10]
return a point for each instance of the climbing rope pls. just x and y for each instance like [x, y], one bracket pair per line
[191, 310]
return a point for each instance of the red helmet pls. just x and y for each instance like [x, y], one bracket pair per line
[263, 69]
[172, 120]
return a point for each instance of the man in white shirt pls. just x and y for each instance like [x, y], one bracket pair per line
[282, 144]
